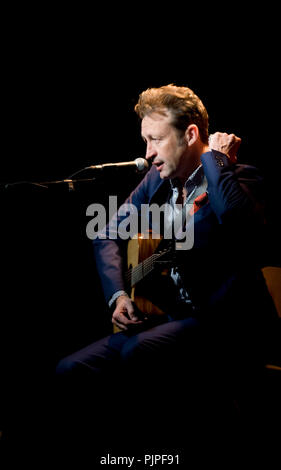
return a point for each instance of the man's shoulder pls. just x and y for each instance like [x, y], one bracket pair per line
[245, 171]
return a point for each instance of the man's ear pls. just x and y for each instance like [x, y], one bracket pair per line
[191, 134]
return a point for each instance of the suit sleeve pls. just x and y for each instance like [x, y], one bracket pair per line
[236, 192]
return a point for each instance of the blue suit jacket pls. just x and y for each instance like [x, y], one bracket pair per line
[222, 270]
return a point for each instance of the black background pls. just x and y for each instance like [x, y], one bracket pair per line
[69, 87]
[70, 81]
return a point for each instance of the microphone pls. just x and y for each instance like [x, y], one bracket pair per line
[139, 163]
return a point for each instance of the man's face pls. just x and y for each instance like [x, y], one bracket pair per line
[163, 146]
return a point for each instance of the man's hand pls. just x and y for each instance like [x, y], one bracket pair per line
[225, 143]
[124, 314]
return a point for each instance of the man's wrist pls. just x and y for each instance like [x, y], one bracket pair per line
[115, 297]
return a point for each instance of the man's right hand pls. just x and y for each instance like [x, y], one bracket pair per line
[225, 143]
[124, 314]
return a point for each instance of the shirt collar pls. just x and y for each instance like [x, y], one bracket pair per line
[195, 179]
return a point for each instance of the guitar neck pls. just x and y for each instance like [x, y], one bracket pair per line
[137, 273]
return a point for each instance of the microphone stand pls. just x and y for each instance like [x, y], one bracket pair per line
[46, 184]
[69, 181]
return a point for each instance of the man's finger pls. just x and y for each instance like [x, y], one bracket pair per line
[127, 307]
[132, 315]
[120, 325]
[120, 317]
[124, 320]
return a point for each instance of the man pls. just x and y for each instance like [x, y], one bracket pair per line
[222, 304]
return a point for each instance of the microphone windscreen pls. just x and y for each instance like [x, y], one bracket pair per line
[141, 163]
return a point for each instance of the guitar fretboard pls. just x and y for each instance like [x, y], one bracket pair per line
[137, 273]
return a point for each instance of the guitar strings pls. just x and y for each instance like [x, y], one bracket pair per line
[145, 265]
[147, 262]
[137, 272]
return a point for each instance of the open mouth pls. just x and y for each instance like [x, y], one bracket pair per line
[159, 165]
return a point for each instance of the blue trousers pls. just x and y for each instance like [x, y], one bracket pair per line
[138, 350]
[145, 374]
[151, 379]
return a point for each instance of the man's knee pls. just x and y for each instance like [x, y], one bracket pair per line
[66, 366]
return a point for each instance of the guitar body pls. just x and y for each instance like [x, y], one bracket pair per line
[139, 250]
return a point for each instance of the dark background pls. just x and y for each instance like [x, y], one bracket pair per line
[69, 86]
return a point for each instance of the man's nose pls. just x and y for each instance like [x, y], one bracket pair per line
[150, 151]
